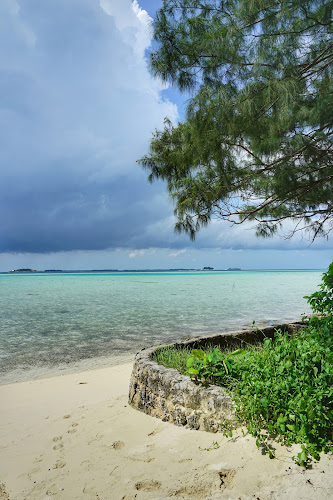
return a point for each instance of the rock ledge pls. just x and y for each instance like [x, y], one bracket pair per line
[166, 394]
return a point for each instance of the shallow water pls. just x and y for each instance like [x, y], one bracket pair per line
[51, 323]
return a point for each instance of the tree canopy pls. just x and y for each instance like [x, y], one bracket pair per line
[256, 143]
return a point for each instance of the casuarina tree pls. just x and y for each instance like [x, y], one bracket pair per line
[256, 142]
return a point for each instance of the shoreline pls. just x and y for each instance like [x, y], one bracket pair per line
[75, 436]
[22, 375]
[25, 374]
[88, 322]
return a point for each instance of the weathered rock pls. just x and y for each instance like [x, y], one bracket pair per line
[166, 394]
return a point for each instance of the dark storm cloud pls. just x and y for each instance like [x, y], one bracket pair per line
[77, 108]
[75, 216]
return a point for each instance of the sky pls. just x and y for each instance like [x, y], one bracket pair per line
[78, 107]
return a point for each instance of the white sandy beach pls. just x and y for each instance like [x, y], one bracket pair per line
[75, 437]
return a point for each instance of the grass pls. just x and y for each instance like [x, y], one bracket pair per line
[170, 357]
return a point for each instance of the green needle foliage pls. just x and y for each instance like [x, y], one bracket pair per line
[257, 140]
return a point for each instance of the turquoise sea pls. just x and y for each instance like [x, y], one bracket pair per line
[53, 323]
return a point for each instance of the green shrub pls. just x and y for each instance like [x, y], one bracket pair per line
[321, 303]
[213, 367]
[284, 389]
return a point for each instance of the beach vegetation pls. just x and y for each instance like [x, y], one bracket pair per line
[171, 357]
[211, 367]
[283, 389]
[256, 141]
[183, 360]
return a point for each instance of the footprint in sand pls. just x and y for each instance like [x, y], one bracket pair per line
[227, 478]
[98, 437]
[58, 446]
[198, 491]
[57, 438]
[59, 464]
[71, 431]
[142, 458]
[66, 416]
[118, 445]
[88, 490]
[54, 490]
[148, 485]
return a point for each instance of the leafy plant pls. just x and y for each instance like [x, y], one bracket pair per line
[284, 388]
[214, 446]
[212, 367]
[284, 391]
[321, 302]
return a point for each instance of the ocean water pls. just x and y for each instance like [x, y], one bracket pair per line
[53, 323]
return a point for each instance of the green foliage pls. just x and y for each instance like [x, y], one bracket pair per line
[214, 446]
[321, 303]
[285, 390]
[170, 357]
[212, 367]
[257, 140]
[282, 389]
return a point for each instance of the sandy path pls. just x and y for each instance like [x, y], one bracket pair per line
[75, 437]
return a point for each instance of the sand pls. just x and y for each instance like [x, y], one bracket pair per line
[75, 437]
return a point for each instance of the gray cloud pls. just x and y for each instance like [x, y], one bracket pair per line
[77, 108]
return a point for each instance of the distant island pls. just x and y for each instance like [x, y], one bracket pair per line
[28, 270]
[24, 270]
[206, 268]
